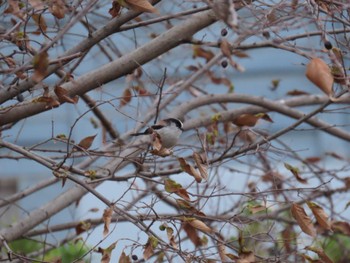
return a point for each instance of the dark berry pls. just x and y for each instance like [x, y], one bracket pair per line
[224, 32]
[134, 257]
[328, 45]
[224, 63]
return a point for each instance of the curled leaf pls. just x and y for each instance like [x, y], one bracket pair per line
[107, 219]
[189, 169]
[202, 164]
[320, 215]
[63, 96]
[303, 220]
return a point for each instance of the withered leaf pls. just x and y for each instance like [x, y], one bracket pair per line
[141, 6]
[50, 102]
[303, 220]
[151, 244]
[40, 64]
[171, 238]
[82, 227]
[57, 8]
[198, 224]
[107, 252]
[198, 51]
[320, 215]
[173, 187]
[296, 92]
[126, 97]
[124, 258]
[318, 72]
[341, 227]
[202, 164]
[295, 171]
[192, 234]
[189, 169]
[246, 257]
[62, 95]
[115, 9]
[85, 143]
[40, 22]
[107, 219]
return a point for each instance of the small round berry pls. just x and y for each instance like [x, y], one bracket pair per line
[328, 45]
[224, 32]
[224, 63]
[134, 257]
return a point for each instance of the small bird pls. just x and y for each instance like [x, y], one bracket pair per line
[169, 131]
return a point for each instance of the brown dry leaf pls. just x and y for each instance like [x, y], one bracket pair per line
[295, 171]
[318, 72]
[189, 169]
[341, 227]
[226, 48]
[11, 63]
[107, 252]
[202, 164]
[85, 143]
[40, 64]
[57, 8]
[313, 159]
[62, 95]
[124, 258]
[171, 238]
[37, 4]
[296, 92]
[219, 80]
[323, 256]
[126, 97]
[289, 239]
[14, 9]
[246, 257]
[222, 251]
[141, 6]
[320, 215]
[107, 219]
[198, 224]
[198, 51]
[40, 22]
[192, 234]
[303, 220]
[82, 227]
[162, 152]
[246, 120]
[50, 102]
[173, 187]
[115, 9]
[151, 244]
